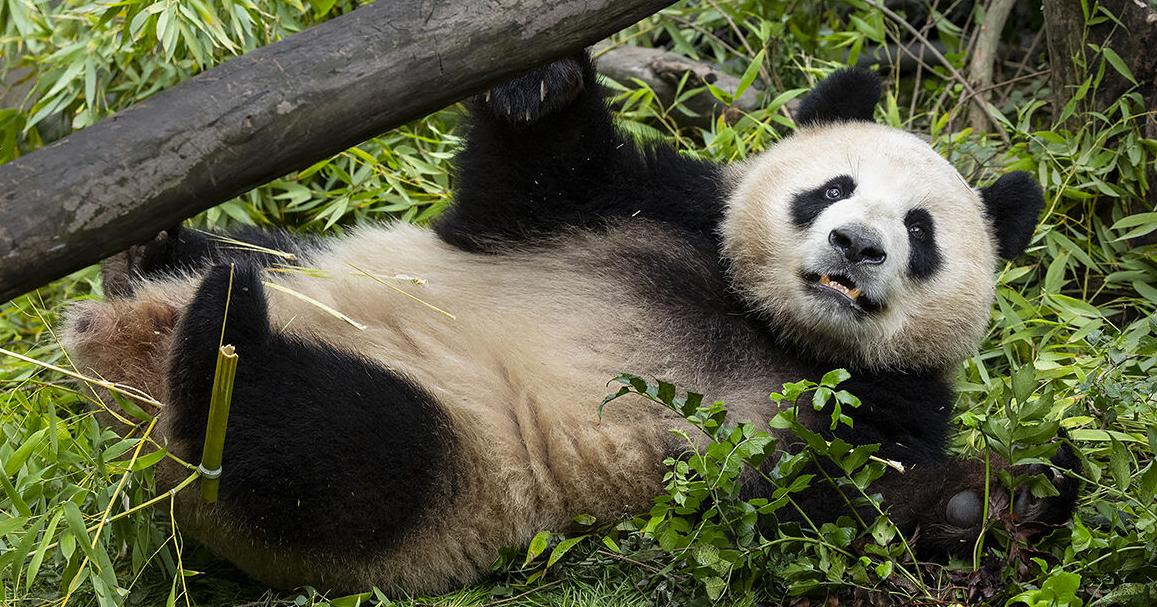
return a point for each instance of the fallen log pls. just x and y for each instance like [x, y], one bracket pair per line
[270, 112]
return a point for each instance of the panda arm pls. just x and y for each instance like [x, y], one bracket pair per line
[937, 498]
[543, 155]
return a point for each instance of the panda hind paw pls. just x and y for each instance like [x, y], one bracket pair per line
[1033, 515]
[120, 272]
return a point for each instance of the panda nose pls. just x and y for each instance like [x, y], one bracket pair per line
[858, 245]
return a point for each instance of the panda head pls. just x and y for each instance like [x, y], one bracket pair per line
[859, 243]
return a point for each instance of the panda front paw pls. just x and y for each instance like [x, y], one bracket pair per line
[539, 92]
[952, 525]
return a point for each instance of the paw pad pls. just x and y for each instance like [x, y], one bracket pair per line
[964, 509]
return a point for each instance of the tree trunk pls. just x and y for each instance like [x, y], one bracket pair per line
[1069, 53]
[268, 113]
[1134, 40]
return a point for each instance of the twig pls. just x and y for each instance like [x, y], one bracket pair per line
[519, 596]
[956, 75]
[964, 99]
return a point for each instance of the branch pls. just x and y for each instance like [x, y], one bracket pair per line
[273, 111]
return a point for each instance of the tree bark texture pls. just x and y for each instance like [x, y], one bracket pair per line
[268, 113]
[1134, 40]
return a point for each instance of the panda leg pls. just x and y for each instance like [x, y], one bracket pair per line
[543, 154]
[180, 248]
[327, 454]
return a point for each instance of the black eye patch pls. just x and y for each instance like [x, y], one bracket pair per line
[924, 259]
[807, 205]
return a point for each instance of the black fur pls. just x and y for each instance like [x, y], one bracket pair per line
[924, 257]
[537, 93]
[847, 94]
[519, 182]
[180, 249]
[807, 205]
[1013, 204]
[325, 451]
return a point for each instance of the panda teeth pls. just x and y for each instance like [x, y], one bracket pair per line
[851, 293]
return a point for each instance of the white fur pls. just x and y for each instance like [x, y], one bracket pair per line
[934, 323]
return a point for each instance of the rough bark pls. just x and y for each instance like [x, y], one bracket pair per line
[1134, 40]
[265, 114]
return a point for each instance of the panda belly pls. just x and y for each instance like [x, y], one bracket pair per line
[517, 351]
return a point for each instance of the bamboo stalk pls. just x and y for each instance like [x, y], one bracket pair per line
[210, 467]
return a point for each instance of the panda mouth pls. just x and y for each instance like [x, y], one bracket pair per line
[842, 289]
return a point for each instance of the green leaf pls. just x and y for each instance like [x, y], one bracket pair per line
[714, 586]
[22, 453]
[537, 546]
[1146, 290]
[562, 548]
[1023, 383]
[1118, 64]
[33, 568]
[1119, 465]
[835, 377]
[1148, 483]
[1074, 306]
[750, 73]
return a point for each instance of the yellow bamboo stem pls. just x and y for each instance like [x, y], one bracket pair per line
[210, 467]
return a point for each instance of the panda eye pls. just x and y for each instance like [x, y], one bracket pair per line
[834, 193]
[917, 231]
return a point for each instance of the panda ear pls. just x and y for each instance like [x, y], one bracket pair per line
[847, 94]
[1013, 205]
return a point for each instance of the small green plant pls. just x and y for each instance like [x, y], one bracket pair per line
[729, 542]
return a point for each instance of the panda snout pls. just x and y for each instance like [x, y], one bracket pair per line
[858, 244]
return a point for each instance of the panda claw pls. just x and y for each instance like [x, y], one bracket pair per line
[521, 103]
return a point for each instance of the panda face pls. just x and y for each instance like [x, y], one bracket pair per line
[859, 242]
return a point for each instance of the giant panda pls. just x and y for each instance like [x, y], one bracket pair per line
[411, 400]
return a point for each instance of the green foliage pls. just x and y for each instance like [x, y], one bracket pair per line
[1073, 343]
[767, 545]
